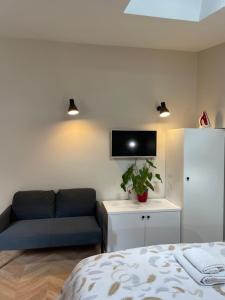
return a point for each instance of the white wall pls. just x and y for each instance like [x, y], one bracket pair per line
[211, 84]
[42, 148]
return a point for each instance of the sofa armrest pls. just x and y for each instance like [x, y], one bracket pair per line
[5, 218]
[99, 214]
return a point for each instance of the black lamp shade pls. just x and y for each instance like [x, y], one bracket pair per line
[72, 110]
[163, 110]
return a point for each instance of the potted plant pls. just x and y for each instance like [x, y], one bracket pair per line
[139, 180]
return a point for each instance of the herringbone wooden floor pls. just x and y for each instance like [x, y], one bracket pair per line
[38, 274]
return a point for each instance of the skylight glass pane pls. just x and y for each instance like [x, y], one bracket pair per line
[188, 10]
[211, 6]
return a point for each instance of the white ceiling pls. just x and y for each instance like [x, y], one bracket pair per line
[103, 22]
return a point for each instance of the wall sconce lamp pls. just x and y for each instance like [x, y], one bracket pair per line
[163, 110]
[72, 110]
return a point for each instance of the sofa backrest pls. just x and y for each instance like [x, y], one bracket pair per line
[75, 202]
[29, 205]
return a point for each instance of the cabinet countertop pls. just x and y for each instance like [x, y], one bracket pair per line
[133, 206]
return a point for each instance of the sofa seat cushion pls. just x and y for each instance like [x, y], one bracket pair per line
[75, 202]
[75, 231]
[54, 232]
[30, 205]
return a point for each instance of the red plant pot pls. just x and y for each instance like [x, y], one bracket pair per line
[143, 197]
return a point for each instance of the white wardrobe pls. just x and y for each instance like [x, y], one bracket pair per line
[195, 181]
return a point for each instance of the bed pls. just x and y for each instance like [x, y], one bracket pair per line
[149, 273]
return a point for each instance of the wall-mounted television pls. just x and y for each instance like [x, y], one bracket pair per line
[133, 143]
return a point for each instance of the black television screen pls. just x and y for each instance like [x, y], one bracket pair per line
[135, 143]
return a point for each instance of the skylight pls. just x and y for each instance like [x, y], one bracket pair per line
[188, 10]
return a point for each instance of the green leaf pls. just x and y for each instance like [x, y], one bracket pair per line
[150, 185]
[158, 177]
[150, 176]
[123, 186]
[127, 177]
[151, 163]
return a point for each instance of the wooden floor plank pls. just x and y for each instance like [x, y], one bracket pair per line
[38, 274]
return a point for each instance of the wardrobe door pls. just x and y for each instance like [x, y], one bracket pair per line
[202, 213]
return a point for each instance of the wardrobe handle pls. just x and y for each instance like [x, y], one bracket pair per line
[148, 217]
[143, 217]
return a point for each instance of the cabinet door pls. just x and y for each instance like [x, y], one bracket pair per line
[162, 228]
[202, 219]
[125, 231]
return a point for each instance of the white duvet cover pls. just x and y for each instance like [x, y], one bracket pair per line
[149, 273]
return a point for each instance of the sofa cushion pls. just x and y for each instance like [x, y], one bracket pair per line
[75, 202]
[29, 205]
[54, 232]
[75, 231]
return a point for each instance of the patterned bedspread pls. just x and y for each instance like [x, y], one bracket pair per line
[149, 273]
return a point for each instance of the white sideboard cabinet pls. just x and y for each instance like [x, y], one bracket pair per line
[130, 224]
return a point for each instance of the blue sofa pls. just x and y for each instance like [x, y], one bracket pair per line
[41, 219]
